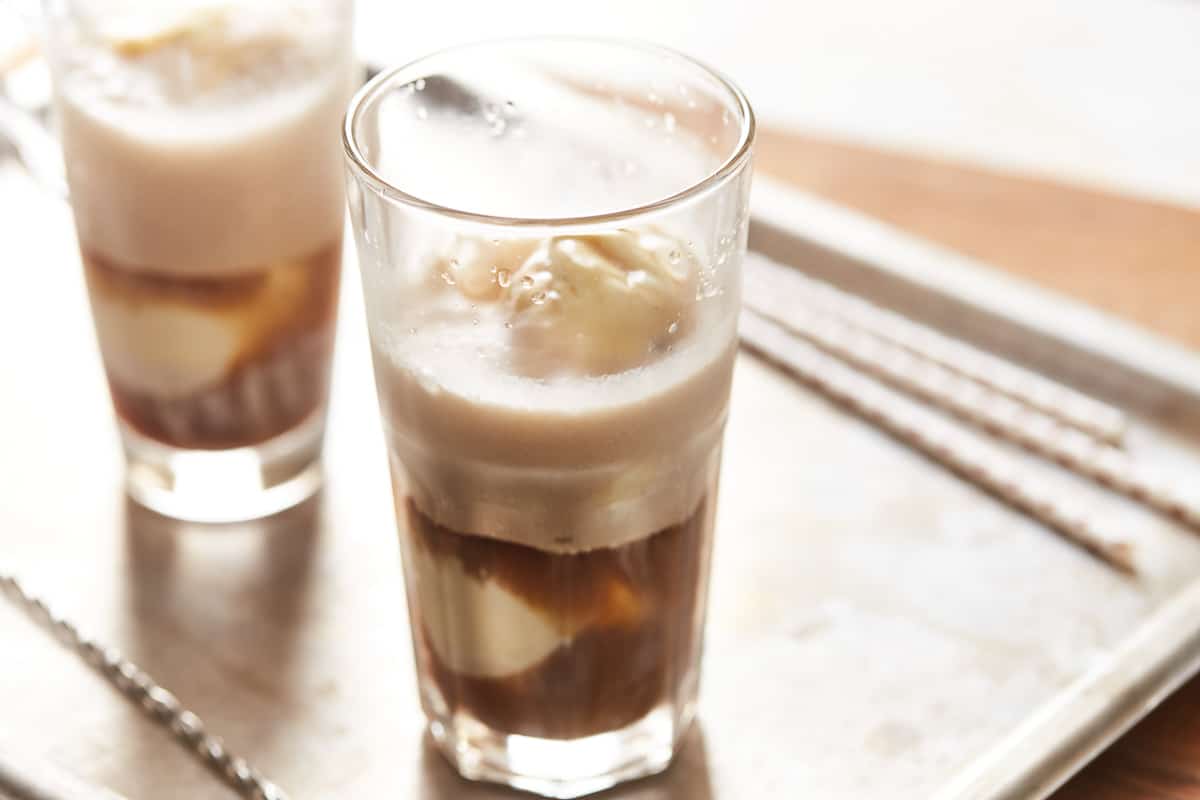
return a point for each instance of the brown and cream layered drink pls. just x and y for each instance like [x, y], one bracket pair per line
[551, 253]
[556, 494]
[201, 145]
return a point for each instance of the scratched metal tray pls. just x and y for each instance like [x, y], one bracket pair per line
[877, 627]
[939, 644]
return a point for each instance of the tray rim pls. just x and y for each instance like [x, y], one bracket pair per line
[1163, 652]
[941, 271]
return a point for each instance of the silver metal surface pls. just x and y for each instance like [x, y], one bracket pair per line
[1139, 648]
[1079, 442]
[24, 137]
[877, 627]
[852, 324]
[972, 457]
[157, 703]
[24, 776]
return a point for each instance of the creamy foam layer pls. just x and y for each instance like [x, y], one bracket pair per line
[568, 392]
[205, 150]
[574, 472]
[503, 432]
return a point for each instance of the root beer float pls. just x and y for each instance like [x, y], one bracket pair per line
[200, 140]
[557, 498]
[550, 233]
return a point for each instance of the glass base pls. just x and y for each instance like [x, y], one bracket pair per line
[217, 486]
[560, 768]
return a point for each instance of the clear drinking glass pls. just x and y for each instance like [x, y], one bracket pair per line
[200, 139]
[551, 233]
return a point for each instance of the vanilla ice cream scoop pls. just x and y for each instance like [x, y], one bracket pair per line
[169, 348]
[599, 305]
[482, 269]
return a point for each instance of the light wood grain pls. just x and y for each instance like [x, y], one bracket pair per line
[1137, 259]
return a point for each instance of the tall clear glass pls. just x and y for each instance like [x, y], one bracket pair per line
[551, 233]
[201, 144]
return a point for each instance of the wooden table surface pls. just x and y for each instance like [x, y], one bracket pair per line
[321, 715]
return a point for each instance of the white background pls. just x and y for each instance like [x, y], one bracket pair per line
[1100, 92]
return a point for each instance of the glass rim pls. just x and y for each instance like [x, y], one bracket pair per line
[730, 166]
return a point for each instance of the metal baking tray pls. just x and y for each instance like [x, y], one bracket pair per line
[877, 627]
[905, 634]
